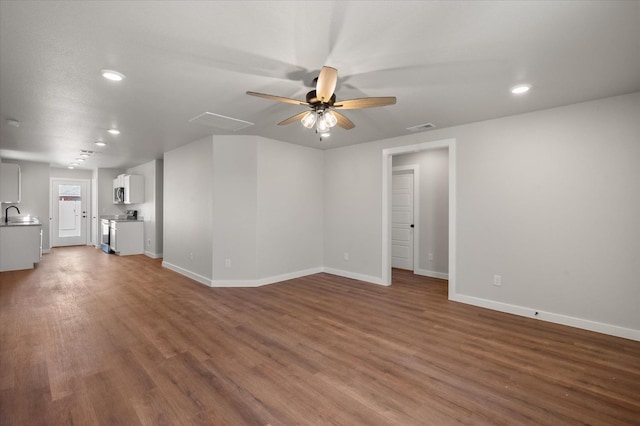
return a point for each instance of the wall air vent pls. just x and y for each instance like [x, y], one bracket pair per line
[220, 122]
[421, 127]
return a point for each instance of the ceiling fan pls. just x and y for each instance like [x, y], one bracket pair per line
[322, 103]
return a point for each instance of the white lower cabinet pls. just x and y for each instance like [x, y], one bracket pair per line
[20, 247]
[127, 237]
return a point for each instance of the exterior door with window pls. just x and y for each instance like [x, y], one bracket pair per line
[69, 215]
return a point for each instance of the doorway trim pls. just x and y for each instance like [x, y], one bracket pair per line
[387, 170]
[89, 212]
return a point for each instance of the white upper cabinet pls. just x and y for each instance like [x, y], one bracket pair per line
[133, 189]
[9, 183]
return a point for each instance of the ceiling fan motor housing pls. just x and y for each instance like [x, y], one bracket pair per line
[316, 103]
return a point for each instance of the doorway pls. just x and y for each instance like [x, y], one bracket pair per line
[69, 201]
[387, 183]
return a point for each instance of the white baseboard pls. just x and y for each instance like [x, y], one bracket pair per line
[240, 283]
[267, 280]
[199, 278]
[432, 274]
[584, 324]
[613, 330]
[353, 275]
[270, 280]
[153, 255]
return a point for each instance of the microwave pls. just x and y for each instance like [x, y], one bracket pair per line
[118, 195]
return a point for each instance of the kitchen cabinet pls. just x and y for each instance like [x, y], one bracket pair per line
[10, 181]
[20, 246]
[127, 237]
[118, 182]
[133, 189]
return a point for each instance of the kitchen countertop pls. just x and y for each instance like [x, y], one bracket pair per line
[121, 218]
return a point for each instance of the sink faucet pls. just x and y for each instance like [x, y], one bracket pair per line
[6, 213]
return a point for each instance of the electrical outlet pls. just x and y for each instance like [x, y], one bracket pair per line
[227, 263]
[191, 257]
[497, 280]
[430, 256]
[346, 256]
[149, 243]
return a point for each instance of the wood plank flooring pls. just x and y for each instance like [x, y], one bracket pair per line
[88, 338]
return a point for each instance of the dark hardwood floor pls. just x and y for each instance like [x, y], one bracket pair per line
[88, 338]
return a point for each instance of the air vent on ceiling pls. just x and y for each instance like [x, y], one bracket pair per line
[420, 127]
[220, 122]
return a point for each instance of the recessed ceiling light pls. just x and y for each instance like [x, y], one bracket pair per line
[100, 143]
[75, 164]
[13, 123]
[520, 89]
[84, 154]
[112, 75]
[80, 159]
[114, 131]
[70, 167]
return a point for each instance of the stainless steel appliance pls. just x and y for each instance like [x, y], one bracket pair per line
[118, 195]
[105, 231]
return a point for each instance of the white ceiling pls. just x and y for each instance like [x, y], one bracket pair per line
[448, 63]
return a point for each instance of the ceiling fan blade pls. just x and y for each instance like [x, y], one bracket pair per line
[290, 120]
[326, 84]
[343, 121]
[365, 102]
[277, 98]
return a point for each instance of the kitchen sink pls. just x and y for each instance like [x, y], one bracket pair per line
[23, 219]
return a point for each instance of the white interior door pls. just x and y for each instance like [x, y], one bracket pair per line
[69, 215]
[402, 220]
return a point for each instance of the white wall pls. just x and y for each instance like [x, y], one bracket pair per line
[234, 207]
[290, 208]
[151, 209]
[104, 178]
[262, 201]
[549, 200]
[432, 233]
[353, 211]
[188, 209]
[57, 172]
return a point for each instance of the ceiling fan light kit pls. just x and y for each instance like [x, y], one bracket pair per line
[309, 119]
[330, 118]
[322, 102]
